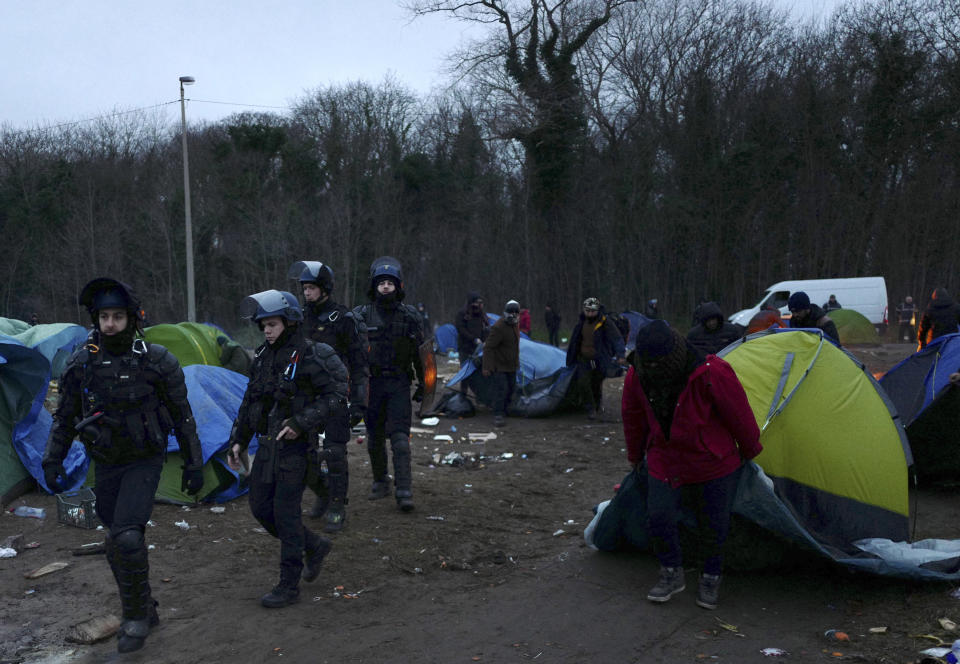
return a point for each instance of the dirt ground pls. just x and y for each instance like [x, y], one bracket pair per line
[490, 567]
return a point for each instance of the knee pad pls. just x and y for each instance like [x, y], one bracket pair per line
[400, 443]
[335, 455]
[129, 540]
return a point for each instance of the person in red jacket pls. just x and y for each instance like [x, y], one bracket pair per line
[688, 418]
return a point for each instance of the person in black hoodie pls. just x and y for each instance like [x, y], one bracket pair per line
[805, 314]
[552, 320]
[597, 351]
[472, 325]
[941, 317]
[713, 333]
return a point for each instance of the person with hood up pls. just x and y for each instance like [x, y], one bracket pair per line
[552, 320]
[596, 350]
[501, 359]
[713, 333]
[472, 325]
[942, 316]
[526, 323]
[652, 309]
[805, 314]
[688, 424]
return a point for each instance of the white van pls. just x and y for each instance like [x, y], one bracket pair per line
[866, 295]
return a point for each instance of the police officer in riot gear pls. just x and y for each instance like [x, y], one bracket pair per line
[296, 387]
[124, 397]
[327, 322]
[395, 334]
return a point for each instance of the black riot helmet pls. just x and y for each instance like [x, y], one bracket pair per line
[312, 272]
[386, 267]
[107, 293]
[271, 303]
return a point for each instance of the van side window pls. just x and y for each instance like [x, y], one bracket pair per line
[777, 299]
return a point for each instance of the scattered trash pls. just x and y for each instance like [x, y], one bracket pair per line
[523, 456]
[836, 635]
[101, 527]
[46, 569]
[453, 459]
[453, 428]
[184, 508]
[468, 486]
[29, 592]
[955, 593]
[568, 470]
[878, 630]
[12, 541]
[150, 523]
[570, 522]
[729, 627]
[151, 547]
[258, 529]
[947, 624]
[31, 512]
[430, 421]
[507, 455]
[435, 518]
[8, 553]
[936, 652]
[774, 652]
[443, 437]
[94, 629]
[219, 509]
[559, 532]
[481, 437]
[182, 525]
[32, 545]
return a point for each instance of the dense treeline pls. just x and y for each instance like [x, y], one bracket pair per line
[627, 150]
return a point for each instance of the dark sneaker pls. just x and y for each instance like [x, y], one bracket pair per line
[336, 516]
[313, 560]
[379, 489]
[670, 583]
[708, 593]
[280, 597]
[404, 500]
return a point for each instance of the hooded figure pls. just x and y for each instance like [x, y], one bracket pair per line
[941, 317]
[472, 325]
[687, 424]
[713, 333]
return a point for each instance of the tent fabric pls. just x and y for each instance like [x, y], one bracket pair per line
[543, 381]
[29, 356]
[445, 338]
[929, 405]
[191, 343]
[832, 444]
[636, 320]
[853, 327]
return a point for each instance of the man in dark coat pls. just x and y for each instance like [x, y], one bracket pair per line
[713, 333]
[596, 349]
[501, 359]
[552, 320]
[831, 304]
[472, 326]
[805, 314]
[941, 317]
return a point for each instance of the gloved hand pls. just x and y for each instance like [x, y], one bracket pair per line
[418, 393]
[50, 473]
[192, 480]
[356, 414]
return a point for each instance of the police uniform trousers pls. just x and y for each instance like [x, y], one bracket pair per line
[389, 414]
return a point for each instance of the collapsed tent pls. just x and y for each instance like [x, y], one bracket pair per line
[853, 327]
[543, 382]
[929, 405]
[832, 476]
[29, 358]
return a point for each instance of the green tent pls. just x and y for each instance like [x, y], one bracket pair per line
[854, 327]
[191, 343]
[832, 445]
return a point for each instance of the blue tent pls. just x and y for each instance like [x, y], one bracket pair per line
[636, 320]
[445, 338]
[929, 405]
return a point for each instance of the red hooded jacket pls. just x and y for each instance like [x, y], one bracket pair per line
[713, 427]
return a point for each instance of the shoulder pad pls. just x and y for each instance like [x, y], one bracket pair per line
[79, 358]
[160, 356]
[360, 311]
[321, 350]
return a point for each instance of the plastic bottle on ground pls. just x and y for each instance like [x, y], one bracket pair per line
[34, 512]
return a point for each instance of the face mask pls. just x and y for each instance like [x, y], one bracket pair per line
[512, 319]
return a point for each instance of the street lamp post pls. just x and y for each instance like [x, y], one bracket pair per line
[191, 293]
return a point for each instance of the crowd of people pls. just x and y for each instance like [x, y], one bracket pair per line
[323, 368]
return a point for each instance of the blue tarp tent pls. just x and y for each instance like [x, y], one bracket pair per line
[929, 405]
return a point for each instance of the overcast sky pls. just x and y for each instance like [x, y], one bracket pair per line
[69, 60]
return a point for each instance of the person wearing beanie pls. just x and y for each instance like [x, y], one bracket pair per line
[123, 397]
[805, 314]
[688, 425]
[597, 351]
[501, 359]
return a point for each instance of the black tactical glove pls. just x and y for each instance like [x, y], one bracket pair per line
[418, 393]
[192, 480]
[50, 473]
[356, 414]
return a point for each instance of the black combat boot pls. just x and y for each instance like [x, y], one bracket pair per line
[403, 476]
[380, 488]
[316, 550]
[132, 571]
[286, 592]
